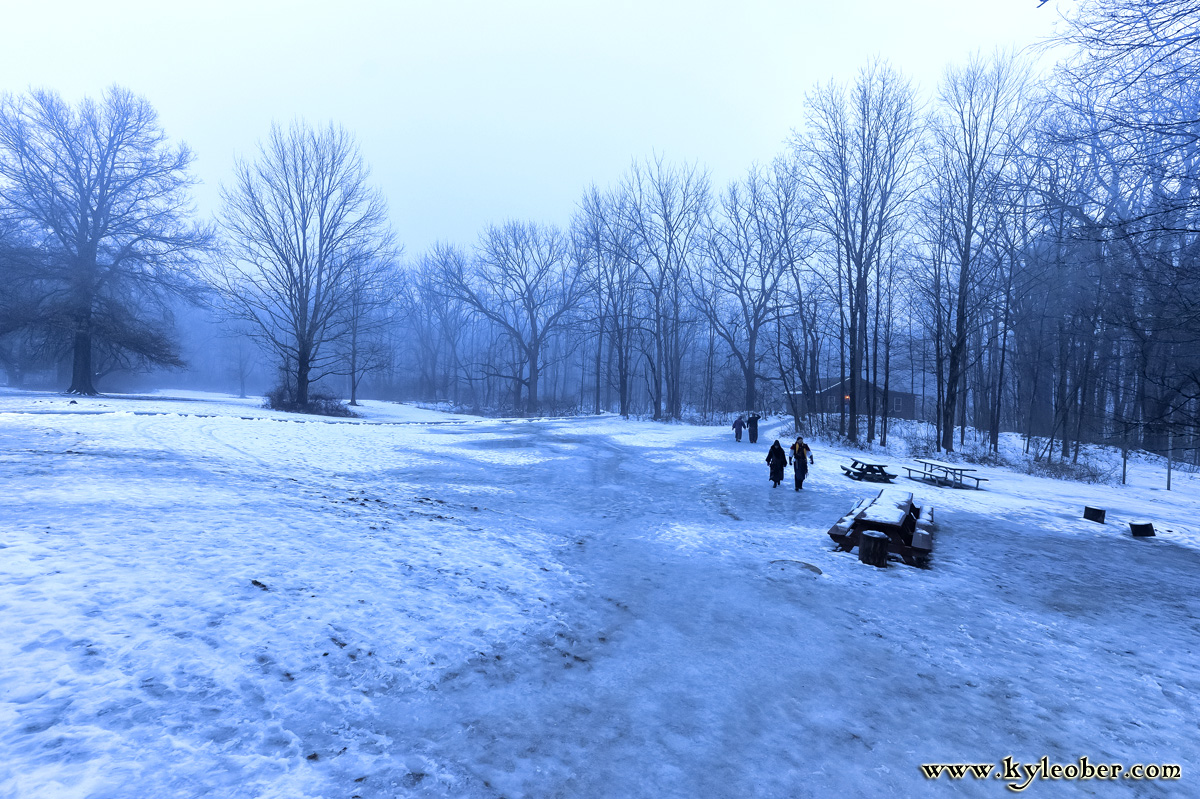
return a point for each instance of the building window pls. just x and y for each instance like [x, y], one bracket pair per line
[897, 403]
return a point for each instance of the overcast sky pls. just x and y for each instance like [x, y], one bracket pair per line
[477, 112]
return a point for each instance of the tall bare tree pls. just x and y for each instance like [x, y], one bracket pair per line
[609, 249]
[1130, 95]
[981, 113]
[101, 186]
[858, 154]
[301, 222]
[665, 211]
[524, 281]
[371, 290]
[753, 242]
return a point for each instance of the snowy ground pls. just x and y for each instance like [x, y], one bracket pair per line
[202, 598]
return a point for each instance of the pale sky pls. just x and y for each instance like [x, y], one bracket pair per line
[474, 112]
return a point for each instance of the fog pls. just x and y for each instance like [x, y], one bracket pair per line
[474, 112]
[670, 211]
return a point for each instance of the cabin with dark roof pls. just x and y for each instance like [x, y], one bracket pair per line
[834, 394]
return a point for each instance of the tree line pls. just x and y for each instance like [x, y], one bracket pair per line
[1018, 252]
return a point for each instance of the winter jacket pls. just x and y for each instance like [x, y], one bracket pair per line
[777, 460]
[802, 458]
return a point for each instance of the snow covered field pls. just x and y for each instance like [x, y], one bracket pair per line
[202, 598]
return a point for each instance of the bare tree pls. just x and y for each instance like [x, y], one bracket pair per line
[858, 158]
[799, 337]
[419, 300]
[665, 213]
[110, 196]
[981, 113]
[610, 252]
[1126, 42]
[1132, 110]
[370, 291]
[524, 281]
[301, 222]
[240, 353]
[752, 244]
[437, 327]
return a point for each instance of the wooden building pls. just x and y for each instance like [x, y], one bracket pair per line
[834, 393]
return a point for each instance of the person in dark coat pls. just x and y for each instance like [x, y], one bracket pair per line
[777, 460]
[738, 424]
[752, 423]
[798, 459]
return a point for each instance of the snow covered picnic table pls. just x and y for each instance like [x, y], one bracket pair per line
[953, 475]
[893, 513]
[866, 470]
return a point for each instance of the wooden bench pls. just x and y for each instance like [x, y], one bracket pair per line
[909, 528]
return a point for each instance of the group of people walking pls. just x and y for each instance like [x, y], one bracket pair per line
[800, 458]
[750, 424]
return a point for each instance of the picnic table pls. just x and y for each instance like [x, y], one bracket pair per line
[892, 513]
[951, 475]
[866, 470]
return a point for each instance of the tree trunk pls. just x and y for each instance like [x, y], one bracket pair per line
[994, 432]
[534, 373]
[841, 365]
[656, 368]
[81, 365]
[303, 369]
[857, 342]
[599, 363]
[955, 372]
[748, 371]
[887, 371]
[354, 369]
[623, 366]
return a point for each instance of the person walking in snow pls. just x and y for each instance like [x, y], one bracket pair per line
[777, 460]
[752, 423]
[798, 459]
[738, 424]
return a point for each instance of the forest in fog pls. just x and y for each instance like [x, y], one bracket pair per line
[1014, 249]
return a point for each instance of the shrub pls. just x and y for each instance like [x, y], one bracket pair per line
[328, 405]
[922, 448]
[988, 458]
[1084, 471]
[283, 398]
